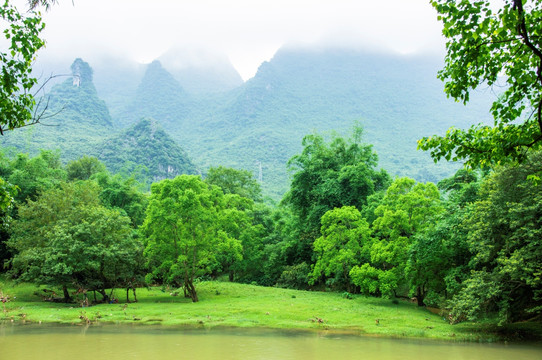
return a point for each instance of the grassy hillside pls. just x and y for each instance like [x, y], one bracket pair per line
[237, 305]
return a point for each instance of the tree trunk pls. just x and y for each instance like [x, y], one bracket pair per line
[191, 290]
[105, 298]
[231, 276]
[420, 296]
[134, 291]
[127, 295]
[66, 293]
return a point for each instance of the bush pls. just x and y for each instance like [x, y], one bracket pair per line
[295, 277]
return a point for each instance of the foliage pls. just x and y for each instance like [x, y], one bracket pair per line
[327, 176]
[504, 236]
[295, 276]
[486, 47]
[124, 195]
[34, 175]
[408, 208]
[16, 82]
[66, 238]
[234, 181]
[181, 231]
[84, 168]
[7, 192]
[344, 236]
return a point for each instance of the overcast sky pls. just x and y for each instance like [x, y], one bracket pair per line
[248, 32]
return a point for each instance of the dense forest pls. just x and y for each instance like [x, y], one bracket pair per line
[470, 243]
[134, 210]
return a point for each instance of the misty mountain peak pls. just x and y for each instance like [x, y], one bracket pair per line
[201, 70]
[81, 72]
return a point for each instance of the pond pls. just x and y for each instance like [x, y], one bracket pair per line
[124, 342]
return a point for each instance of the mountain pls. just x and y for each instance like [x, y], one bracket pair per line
[158, 96]
[260, 124]
[74, 118]
[396, 98]
[201, 71]
[145, 144]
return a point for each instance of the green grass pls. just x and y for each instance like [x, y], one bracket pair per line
[237, 305]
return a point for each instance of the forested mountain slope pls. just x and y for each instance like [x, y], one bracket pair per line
[145, 144]
[260, 124]
[396, 98]
[74, 121]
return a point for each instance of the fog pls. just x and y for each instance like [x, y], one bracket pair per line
[244, 32]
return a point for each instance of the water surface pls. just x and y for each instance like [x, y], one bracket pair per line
[124, 342]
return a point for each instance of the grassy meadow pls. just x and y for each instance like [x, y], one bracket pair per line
[225, 304]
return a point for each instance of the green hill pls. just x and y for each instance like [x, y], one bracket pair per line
[74, 121]
[396, 98]
[145, 144]
[261, 123]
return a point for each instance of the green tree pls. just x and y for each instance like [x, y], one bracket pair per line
[84, 168]
[344, 236]
[181, 227]
[234, 181]
[327, 176]
[505, 239]
[123, 194]
[66, 238]
[407, 209]
[16, 82]
[7, 193]
[33, 175]
[488, 47]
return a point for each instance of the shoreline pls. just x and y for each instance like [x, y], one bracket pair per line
[237, 307]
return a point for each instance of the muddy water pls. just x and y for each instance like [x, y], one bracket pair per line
[112, 342]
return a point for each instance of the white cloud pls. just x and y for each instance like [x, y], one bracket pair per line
[247, 31]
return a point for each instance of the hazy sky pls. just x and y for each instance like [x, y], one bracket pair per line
[248, 32]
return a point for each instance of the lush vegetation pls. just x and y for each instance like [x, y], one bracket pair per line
[493, 46]
[469, 245]
[261, 124]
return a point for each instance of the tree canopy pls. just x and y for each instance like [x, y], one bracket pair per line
[500, 48]
[67, 238]
[328, 175]
[16, 98]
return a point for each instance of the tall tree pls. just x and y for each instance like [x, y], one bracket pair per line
[327, 176]
[181, 231]
[505, 239]
[488, 47]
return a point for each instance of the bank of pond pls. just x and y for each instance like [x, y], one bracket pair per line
[231, 305]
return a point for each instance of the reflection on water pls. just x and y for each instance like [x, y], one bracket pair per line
[122, 342]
